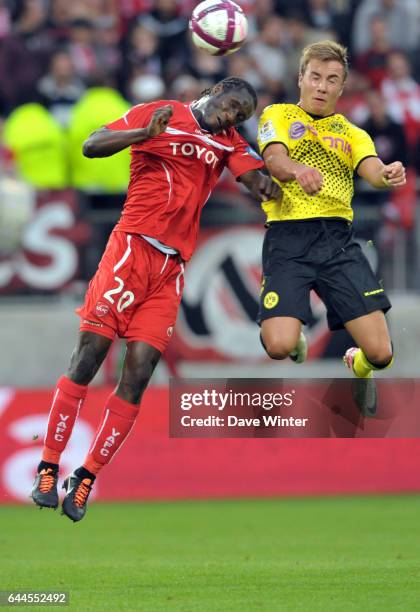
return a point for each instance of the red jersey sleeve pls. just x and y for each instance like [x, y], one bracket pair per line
[137, 117]
[243, 158]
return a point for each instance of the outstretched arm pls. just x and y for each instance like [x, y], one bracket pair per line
[105, 142]
[280, 165]
[382, 176]
[262, 187]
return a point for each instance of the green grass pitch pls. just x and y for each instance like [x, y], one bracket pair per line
[341, 553]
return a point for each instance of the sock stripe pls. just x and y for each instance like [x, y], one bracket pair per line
[78, 407]
[100, 430]
[49, 414]
[125, 440]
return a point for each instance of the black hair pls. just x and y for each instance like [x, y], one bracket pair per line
[233, 83]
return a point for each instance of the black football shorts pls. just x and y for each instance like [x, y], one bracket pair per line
[323, 255]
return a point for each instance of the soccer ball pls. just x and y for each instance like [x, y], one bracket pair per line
[218, 26]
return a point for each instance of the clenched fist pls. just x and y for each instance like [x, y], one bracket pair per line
[266, 189]
[159, 121]
[310, 179]
[393, 175]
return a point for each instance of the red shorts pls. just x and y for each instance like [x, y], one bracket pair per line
[135, 293]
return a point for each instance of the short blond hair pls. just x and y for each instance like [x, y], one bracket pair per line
[326, 51]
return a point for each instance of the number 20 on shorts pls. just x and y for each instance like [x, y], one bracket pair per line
[125, 300]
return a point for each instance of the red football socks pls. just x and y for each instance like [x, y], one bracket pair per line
[117, 421]
[67, 401]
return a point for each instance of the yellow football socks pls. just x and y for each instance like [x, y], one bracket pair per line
[363, 368]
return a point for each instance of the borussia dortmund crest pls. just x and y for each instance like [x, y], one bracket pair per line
[271, 300]
[337, 127]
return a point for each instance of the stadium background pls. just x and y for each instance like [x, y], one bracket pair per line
[67, 68]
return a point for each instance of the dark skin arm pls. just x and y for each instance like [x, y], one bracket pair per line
[262, 187]
[105, 142]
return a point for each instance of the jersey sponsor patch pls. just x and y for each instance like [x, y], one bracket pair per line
[297, 130]
[253, 153]
[94, 323]
[267, 131]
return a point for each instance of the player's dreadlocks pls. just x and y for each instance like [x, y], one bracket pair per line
[232, 83]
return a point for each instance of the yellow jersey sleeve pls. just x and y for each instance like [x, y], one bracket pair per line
[271, 127]
[362, 146]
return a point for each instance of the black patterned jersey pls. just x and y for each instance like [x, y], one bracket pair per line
[331, 144]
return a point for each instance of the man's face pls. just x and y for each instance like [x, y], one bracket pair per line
[320, 87]
[225, 110]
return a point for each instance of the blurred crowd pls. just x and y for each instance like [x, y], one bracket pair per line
[69, 66]
[55, 52]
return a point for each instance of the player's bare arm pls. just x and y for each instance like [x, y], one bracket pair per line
[105, 142]
[380, 175]
[283, 168]
[261, 186]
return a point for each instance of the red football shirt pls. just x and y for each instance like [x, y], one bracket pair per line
[173, 174]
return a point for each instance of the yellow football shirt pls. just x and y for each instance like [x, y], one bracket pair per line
[331, 144]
